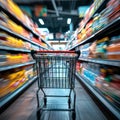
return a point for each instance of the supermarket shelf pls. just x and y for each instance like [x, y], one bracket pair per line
[109, 94]
[3, 68]
[16, 20]
[69, 42]
[102, 31]
[101, 98]
[101, 6]
[46, 43]
[13, 33]
[102, 61]
[19, 36]
[13, 49]
[8, 98]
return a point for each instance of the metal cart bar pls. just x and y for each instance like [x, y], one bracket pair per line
[55, 51]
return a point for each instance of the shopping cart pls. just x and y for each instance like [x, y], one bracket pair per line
[56, 70]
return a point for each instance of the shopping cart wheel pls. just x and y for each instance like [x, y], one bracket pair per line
[69, 102]
[45, 101]
[73, 115]
[38, 115]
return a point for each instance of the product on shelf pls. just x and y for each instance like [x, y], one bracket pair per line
[88, 50]
[44, 45]
[92, 50]
[109, 83]
[7, 40]
[78, 66]
[17, 32]
[104, 48]
[11, 59]
[89, 29]
[19, 21]
[96, 23]
[113, 49]
[100, 20]
[90, 12]
[10, 6]
[38, 41]
[8, 23]
[105, 78]
[100, 39]
[13, 79]
[114, 6]
[84, 50]
[101, 47]
[89, 71]
[28, 45]
[16, 11]
[13, 8]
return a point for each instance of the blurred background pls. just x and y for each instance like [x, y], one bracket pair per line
[54, 15]
[89, 26]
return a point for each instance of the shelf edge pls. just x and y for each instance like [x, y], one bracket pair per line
[18, 21]
[103, 100]
[14, 49]
[19, 36]
[16, 66]
[104, 61]
[16, 92]
[96, 34]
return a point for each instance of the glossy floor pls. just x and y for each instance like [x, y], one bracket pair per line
[24, 108]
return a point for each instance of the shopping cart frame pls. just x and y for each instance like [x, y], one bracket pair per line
[40, 108]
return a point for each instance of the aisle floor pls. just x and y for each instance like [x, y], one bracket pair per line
[24, 108]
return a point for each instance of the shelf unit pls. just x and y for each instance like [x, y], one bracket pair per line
[16, 20]
[19, 36]
[5, 100]
[69, 42]
[102, 61]
[101, 32]
[100, 7]
[99, 95]
[111, 29]
[47, 43]
[19, 22]
[3, 68]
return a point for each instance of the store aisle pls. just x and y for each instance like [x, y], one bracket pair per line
[24, 108]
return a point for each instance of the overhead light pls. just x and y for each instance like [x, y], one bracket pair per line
[68, 20]
[41, 21]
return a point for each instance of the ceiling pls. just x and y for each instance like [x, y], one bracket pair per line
[57, 13]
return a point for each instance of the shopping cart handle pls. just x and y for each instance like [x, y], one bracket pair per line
[54, 51]
[33, 52]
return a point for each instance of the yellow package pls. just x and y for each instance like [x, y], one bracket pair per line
[15, 10]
